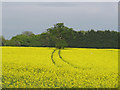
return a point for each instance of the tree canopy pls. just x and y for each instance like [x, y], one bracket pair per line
[2, 41]
[60, 36]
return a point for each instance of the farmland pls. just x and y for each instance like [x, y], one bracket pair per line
[38, 67]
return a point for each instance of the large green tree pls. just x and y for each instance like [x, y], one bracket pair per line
[56, 35]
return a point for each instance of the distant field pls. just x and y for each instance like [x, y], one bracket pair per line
[38, 67]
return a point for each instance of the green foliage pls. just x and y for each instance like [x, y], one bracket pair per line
[56, 34]
[61, 44]
[22, 39]
[27, 33]
[12, 43]
[2, 41]
[60, 36]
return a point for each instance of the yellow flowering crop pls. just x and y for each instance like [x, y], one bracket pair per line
[33, 67]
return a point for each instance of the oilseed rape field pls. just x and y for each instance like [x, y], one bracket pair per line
[43, 67]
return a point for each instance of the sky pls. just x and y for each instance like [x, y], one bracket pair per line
[18, 17]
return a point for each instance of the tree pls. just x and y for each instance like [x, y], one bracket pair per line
[44, 39]
[22, 39]
[27, 33]
[2, 41]
[12, 43]
[61, 44]
[56, 35]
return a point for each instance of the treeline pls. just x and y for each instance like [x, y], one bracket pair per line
[61, 36]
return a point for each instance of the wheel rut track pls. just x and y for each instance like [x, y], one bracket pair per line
[53, 59]
[59, 53]
[52, 56]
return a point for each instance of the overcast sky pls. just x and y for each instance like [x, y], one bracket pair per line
[37, 17]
